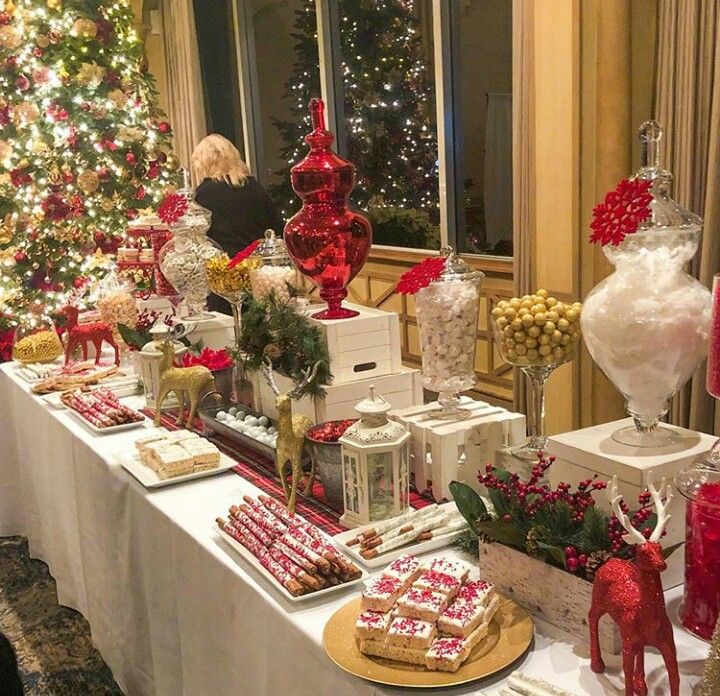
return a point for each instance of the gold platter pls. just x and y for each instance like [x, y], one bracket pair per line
[509, 637]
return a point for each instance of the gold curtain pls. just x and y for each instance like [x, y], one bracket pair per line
[186, 109]
[688, 107]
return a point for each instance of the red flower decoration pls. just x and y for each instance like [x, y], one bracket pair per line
[421, 275]
[172, 208]
[55, 208]
[19, 177]
[6, 344]
[621, 212]
[212, 359]
[242, 255]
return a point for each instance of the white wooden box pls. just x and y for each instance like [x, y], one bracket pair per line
[364, 346]
[403, 389]
[443, 451]
[582, 453]
[548, 593]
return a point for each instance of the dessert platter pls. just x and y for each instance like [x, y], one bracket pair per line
[51, 380]
[426, 623]
[243, 425]
[296, 557]
[101, 411]
[162, 458]
[417, 531]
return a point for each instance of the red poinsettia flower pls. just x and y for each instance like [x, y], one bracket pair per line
[421, 275]
[19, 177]
[6, 344]
[242, 255]
[621, 212]
[172, 208]
[212, 359]
[55, 208]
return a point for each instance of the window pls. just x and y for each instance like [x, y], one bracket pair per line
[216, 46]
[482, 83]
[386, 58]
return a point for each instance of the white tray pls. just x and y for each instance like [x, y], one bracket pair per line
[384, 558]
[110, 429]
[252, 561]
[127, 386]
[130, 461]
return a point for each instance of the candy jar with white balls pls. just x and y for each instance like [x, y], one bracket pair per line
[647, 324]
[183, 259]
[447, 314]
[276, 272]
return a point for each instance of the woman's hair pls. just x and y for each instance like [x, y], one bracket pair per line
[215, 157]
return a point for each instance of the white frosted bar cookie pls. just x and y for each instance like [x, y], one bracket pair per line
[173, 460]
[476, 592]
[425, 605]
[414, 656]
[372, 625]
[406, 569]
[381, 594]
[457, 569]
[439, 582]
[461, 619]
[447, 654]
[405, 632]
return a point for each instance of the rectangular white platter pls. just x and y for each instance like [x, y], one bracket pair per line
[130, 461]
[384, 558]
[110, 430]
[248, 557]
[126, 386]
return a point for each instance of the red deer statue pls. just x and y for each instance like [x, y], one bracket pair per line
[631, 592]
[81, 334]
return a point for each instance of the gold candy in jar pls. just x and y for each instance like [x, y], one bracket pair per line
[537, 329]
[229, 282]
[40, 347]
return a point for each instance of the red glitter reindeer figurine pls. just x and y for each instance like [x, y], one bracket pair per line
[81, 334]
[631, 592]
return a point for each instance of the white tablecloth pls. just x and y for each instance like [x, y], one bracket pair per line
[169, 609]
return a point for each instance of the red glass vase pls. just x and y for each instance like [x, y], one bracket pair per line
[328, 242]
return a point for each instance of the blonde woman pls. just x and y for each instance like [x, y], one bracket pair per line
[241, 208]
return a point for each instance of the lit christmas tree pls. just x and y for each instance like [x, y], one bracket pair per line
[389, 112]
[83, 146]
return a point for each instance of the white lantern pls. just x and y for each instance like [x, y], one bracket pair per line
[375, 465]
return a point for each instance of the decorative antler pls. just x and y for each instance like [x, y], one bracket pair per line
[661, 508]
[308, 376]
[267, 369]
[633, 536]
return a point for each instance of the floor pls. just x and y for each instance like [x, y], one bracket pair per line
[53, 645]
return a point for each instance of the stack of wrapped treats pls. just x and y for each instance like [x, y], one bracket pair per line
[425, 614]
[177, 453]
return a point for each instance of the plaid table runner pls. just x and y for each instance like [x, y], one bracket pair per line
[260, 471]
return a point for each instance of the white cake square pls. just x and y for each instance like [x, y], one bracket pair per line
[406, 569]
[372, 625]
[425, 605]
[406, 632]
[173, 460]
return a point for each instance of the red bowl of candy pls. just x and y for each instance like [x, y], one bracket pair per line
[330, 431]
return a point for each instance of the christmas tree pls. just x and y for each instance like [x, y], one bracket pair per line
[83, 146]
[389, 112]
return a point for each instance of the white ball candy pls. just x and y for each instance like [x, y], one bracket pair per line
[221, 415]
[271, 430]
[263, 420]
[232, 410]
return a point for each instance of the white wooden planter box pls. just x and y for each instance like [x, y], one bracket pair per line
[548, 593]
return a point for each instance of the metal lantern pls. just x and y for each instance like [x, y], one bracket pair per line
[375, 465]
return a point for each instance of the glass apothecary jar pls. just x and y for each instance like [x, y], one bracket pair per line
[183, 259]
[646, 325]
[276, 272]
[36, 340]
[447, 314]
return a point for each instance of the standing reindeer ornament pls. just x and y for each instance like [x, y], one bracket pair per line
[631, 592]
[291, 433]
[79, 335]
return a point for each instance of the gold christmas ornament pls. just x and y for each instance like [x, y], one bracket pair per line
[106, 204]
[85, 28]
[55, 178]
[88, 182]
[118, 98]
[43, 40]
[25, 114]
[10, 37]
[90, 74]
[172, 163]
[54, 4]
[130, 134]
[39, 147]
[5, 150]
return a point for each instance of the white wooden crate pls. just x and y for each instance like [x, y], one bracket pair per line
[401, 389]
[364, 346]
[444, 451]
[582, 453]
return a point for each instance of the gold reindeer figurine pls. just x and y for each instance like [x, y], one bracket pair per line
[190, 381]
[291, 433]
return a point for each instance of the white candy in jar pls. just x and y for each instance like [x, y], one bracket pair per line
[447, 317]
[185, 270]
[268, 277]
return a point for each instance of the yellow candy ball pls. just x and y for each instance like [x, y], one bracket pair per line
[540, 318]
[545, 350]
[532, 355]
[542, 293]
[548, 327]
[530, 343]
[519, 336]
[534, 331]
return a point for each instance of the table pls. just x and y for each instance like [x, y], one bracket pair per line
[170, 610]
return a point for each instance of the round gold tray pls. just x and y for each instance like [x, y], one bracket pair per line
[509, 637]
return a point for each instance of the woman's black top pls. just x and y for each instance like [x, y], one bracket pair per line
[240, 215]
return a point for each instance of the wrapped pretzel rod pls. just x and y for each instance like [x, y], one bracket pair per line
[348, 570]
[400, 520]
[270, 524]
[238, 517]
[528, 686]
[279, 510]
[303, 562]
[322, 564]
[452, 525]
[377, 540]
[260, 552]
[295, 570]
[400, 540]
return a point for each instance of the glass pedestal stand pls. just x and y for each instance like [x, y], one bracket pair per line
[537, 440]
[646, 433]
[450, 408]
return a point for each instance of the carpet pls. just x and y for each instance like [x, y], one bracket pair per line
[55, 653]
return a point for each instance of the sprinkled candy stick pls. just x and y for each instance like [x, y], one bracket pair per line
[322, 564]
[294, 569]
[270, 524]
[279, 510]
[239, 517]
[306, 565]
[344, 567]
[399, 540]
[400, 520]
[438, 516]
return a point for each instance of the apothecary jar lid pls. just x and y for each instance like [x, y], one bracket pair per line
[196, 218]
[456, 269]
[699, 480]
[272, 248]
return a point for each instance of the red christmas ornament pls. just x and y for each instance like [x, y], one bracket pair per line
[631, 592]
[5, 116]
[328, 242]
[4, 18]
[19, 177]
[22, 83]
[11, 62]
[172, 208]
[243, 254]
[79, 335]
[331, 431]
[54, 36]
[140, 193]
[131, 213]
[421, 275]
[80, 281]
[164, 127]
[55, 208]
[6, 344]
[77, 206]
[130, 158]
[20, 256]
[621, 211]
[103, 173]
[57, 112]
[38, 52]
[153, 171]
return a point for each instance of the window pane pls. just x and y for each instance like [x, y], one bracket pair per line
[286, 51]
[482, 36]
[387, 52]
[218, 66]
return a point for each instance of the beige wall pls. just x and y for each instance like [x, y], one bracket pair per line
[154, 51]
